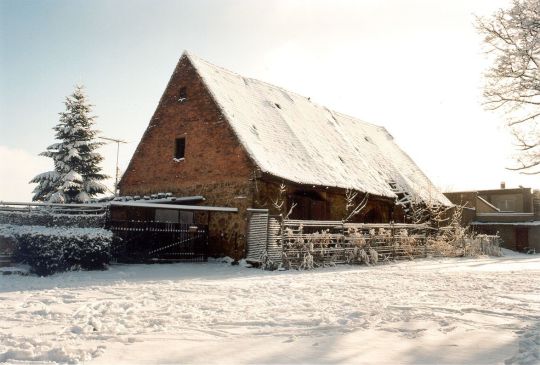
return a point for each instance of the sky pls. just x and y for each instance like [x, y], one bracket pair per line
[414, 67]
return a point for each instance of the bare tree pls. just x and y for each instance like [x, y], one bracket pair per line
[427, 212]
[350, 203]
[513, 82]
[279, 202]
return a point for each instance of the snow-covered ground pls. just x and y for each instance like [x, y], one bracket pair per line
[464, 311]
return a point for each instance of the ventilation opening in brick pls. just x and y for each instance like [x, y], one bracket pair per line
[180, 148]
[182, 94]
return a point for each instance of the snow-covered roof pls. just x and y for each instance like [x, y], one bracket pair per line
[505, 214]
[526, 223]
[162, 198]
[202, 208]
[488, 203]
[290, 137]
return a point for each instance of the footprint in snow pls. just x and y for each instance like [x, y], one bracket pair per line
[447, 329]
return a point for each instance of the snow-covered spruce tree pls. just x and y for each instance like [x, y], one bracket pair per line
[77, 174]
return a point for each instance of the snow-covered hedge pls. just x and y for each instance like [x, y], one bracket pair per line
[53, 249]
[44, 218]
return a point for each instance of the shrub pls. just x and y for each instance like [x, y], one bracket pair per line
[48, 250]
[48, 217]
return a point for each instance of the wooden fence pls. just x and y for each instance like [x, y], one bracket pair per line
[307, 244]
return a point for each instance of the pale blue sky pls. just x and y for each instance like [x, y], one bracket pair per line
[414, 67]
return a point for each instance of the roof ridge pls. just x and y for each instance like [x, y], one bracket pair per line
[254, 155]
[289, 136]
[195, 57]
[192, 56]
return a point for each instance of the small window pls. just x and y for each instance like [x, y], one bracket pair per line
[166, 216]
[509, 204]
[186, 217]
[182, 94]
[180, 148]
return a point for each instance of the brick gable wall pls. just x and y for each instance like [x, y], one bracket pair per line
[215, 166]
[213, 153]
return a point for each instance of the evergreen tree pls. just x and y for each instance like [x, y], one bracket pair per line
[77, 175]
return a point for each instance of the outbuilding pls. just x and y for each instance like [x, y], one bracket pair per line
[247, 144]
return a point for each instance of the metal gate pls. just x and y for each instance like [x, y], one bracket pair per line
[264, 238]
[156, 241]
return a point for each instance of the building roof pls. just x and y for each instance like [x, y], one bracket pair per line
[290, 137]
[202, 208]
[493, 191]
[525, 223]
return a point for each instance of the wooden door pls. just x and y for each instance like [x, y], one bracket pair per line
[318, 210]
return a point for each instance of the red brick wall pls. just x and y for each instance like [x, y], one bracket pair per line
[213, 153]
[215, 166]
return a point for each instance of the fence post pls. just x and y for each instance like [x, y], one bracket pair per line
[392, 240]
[267, 226]
[482, 244]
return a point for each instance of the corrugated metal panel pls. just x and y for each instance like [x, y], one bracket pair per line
[274, 240]
[264, 235]
[257, 235]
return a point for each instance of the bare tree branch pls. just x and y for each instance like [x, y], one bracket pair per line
[358, 208]
[512, 36]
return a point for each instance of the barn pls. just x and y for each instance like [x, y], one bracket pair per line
[243, 143]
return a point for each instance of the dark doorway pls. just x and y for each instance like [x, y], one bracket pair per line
[373, 216]
[522, 238]
[310, 205]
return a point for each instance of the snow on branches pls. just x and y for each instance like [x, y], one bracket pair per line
[279, 202]
[512, 37]
[77, 174]
[350, 199]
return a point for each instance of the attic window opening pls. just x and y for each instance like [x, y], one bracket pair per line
[180, 148]
[182, 94]
[277, 105]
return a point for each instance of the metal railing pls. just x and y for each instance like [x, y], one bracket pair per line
[144, 241]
